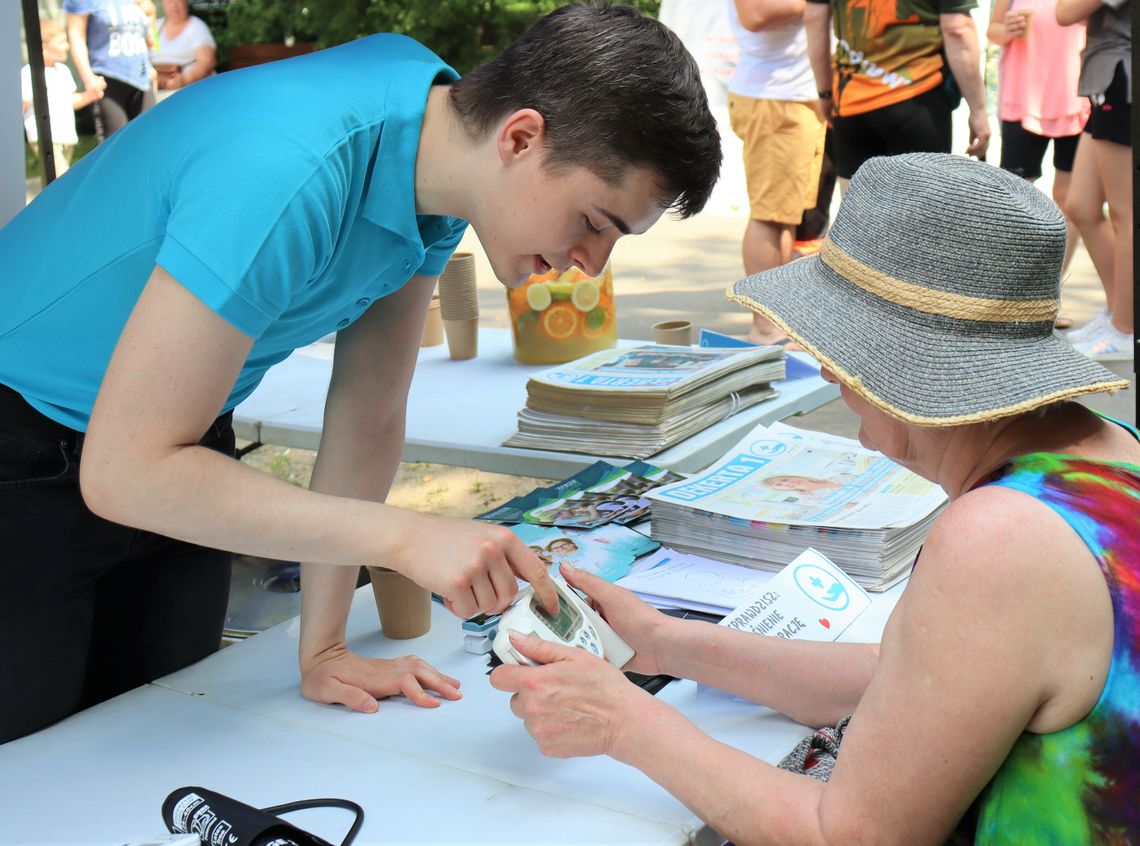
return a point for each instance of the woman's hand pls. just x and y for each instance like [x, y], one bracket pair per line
[1016, 23]
[575, 704]
[94, 87]
[338, 676]
[636, 622]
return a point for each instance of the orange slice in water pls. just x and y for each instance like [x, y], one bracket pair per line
[560, 321]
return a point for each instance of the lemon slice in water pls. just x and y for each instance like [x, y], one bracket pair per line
[586, 295]
[538, 297]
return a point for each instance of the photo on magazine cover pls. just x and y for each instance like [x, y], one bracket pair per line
[607, 551]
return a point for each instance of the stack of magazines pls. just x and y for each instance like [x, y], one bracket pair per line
[783, 489]
[637, 401]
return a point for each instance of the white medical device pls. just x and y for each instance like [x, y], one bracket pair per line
[575, 624]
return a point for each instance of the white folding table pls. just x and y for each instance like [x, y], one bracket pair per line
[460, 412]
[466, 772]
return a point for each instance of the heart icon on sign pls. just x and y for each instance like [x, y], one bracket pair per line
[826, 623]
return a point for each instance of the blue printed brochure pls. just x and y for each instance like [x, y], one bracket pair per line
[782, 489]
[607, 551]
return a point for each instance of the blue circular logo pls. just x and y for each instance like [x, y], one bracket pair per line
[766, 449]
[821, 587]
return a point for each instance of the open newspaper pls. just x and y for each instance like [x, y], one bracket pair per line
[782, 489]
[637, 401]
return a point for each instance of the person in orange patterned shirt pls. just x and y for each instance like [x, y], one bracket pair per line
[899, 68]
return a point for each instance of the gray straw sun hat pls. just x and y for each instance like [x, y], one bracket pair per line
[934, 294]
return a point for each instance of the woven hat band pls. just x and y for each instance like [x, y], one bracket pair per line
[932, 300]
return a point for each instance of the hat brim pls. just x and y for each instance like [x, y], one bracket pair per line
[922, 368]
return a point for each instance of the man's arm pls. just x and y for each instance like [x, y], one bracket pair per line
[817, 26]
[759, 15]
[361, 442]
[171, 372]
[960, 37]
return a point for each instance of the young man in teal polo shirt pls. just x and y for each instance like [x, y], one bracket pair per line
[148, 291]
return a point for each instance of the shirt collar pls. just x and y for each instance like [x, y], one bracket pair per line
[390, 198]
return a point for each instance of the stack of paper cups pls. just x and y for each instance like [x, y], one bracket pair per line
[459, 305]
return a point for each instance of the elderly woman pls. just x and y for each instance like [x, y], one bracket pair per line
[1009, 672]
[185, 51]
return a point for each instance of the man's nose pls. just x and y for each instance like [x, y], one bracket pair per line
[592, 256]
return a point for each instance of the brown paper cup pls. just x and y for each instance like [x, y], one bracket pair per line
[675, 332]
[458, 291]
[404, 606]
[462, 338]
[433, 326]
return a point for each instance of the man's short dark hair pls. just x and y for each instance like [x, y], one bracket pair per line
[616, 89]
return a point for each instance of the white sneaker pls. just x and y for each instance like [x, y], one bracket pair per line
[1106, 345]
[1082, 333]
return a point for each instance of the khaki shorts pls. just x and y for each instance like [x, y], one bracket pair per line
[783, 155]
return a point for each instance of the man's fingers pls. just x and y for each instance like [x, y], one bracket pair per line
[410, 687]
[529, 566]
[506, 587]
[352, 697]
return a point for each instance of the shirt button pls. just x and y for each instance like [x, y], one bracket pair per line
[362, 302]
[343, 323]
[407, 264]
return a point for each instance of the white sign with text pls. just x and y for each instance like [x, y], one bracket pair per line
[810, 599]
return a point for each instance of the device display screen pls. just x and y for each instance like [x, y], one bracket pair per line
[565, 623]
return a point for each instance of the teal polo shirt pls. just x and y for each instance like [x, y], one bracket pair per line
[282, 196]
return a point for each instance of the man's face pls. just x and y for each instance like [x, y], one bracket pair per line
[543, 218]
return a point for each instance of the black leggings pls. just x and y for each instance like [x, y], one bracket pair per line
[88, 608]
[918, 125]
[121, 103]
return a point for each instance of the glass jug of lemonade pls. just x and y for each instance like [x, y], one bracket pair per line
[557, 317]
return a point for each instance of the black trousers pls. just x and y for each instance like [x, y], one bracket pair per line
[918, 125]
[89, 608]
[121, 103]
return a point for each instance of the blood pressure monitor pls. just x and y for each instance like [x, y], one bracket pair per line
[575, 624]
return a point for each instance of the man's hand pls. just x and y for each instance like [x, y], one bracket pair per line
[472, 565]
[979, 134]
[575, 704]
[338, 676]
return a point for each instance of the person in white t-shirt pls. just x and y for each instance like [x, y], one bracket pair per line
[186, 51]
[63, 96]
[773, 107]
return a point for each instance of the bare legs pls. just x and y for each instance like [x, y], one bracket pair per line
[1084, 206]
[1113, 162]
[766, 245]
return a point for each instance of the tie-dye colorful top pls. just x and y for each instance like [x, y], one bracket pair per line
[1081, 785]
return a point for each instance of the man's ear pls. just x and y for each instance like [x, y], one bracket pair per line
[522, 133]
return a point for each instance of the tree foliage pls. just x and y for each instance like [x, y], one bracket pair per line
[464, 33]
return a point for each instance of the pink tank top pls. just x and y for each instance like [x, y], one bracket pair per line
[1039, 74]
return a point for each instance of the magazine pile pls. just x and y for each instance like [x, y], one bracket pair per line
[637, 401]
[783, 489]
